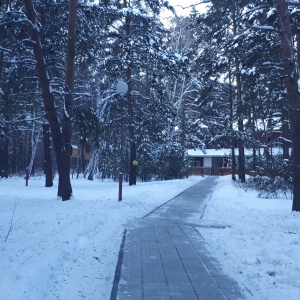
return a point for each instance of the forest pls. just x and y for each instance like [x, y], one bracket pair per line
[215, 79]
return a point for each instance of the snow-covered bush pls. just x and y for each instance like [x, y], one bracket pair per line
[269, 187]
[272, 178]
[147, 169]
[163, 162]
[171, 161]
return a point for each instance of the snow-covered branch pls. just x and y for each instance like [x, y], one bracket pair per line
[263, 27]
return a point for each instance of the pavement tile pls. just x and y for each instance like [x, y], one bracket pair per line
[214, 293]
[155, 275]
[205, 283]
[156, 279]
[184, 296]
[194, 277]
[130, 291]
[179, 277]
[156, 289]
[165, 256]
[178, 286]
[156, 298]
[232, 293]
[180, 290]
[129, 297]
[197, 268]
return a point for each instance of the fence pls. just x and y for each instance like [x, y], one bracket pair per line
[203, 171]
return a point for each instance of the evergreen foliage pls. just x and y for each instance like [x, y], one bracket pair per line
[272, 177]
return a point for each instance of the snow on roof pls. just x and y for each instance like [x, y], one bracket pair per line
[208, 152]
[227, 152]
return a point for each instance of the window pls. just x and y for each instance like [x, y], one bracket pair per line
[197, 162]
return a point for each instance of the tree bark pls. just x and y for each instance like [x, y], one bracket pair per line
[48, 99]
[82, 158]
[233, 164]
[241, 158]
[132, 166]
[290, 81]
[183, 123]
[47, 156]
[241, 147]
[285, 135]
[66, 188]
[4, 156]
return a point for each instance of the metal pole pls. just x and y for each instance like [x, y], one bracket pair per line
[121, 157]
[27, 176]
[120, 186]
[122, 89]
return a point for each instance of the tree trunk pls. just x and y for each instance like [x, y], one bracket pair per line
[47, 156]
[4, 158]
[285, 135]
[239, 106]
[183, 123]
[66, 188]
[4, 142]
[290, 81]
[132, 166]
[82, 158]
[233, 164]
[48, 99]
[33, 146]
[93, 165]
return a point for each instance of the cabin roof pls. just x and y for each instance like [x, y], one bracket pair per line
[226, 152]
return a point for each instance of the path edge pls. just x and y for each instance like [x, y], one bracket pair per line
[114, 290]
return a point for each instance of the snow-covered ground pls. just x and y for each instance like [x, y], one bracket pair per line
[261, 249]
[68, 250]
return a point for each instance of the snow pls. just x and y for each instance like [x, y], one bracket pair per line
[295, 11]
[184, 8]
[215, 152]
[227, 152]
[271, 12]
[261, 27]
[260, 249]
[208, 152]
[69, 250]
[249, 71]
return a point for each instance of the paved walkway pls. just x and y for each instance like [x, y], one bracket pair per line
[164, 256]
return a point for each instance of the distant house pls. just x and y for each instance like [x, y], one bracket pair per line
[218, 162]
[209, 162]
[211, 158]
[215, 162]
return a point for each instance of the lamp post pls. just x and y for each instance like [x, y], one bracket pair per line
[122, 89]
[28, 121]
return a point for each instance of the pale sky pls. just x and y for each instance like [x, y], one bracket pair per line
[183, 7]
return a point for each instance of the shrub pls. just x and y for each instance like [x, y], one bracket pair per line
[272, 178]
[171, 161]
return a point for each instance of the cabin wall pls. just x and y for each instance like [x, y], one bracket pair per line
[207, 162]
